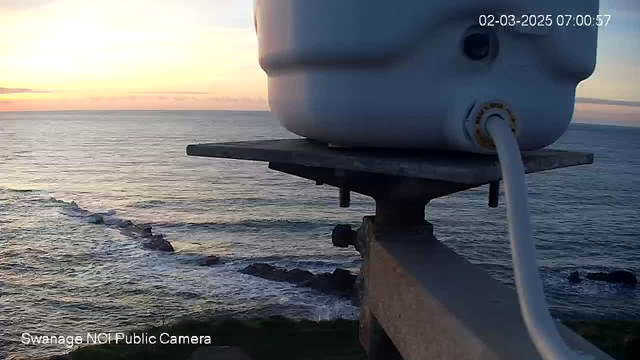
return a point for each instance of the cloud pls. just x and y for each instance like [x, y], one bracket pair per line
[172, 92]
[621, 5]
[141, 98]
[230, 99]
[607, 102]
[21, 91]
[22, 4]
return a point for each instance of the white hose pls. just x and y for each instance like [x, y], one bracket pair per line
[533, 304]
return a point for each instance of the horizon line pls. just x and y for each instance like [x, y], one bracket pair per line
[573, 121]
[598, 101]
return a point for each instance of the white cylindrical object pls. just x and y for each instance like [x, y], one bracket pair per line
[533, 304]
[378, 73]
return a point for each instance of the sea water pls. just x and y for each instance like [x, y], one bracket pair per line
[61, 276]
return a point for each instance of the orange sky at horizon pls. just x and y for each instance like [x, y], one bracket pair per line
[71, 54]
[202, 54]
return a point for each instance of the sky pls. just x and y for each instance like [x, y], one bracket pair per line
[202, 54]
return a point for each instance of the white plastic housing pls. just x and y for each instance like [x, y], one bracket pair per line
[380, 73]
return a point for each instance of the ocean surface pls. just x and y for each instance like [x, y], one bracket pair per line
[60, 275]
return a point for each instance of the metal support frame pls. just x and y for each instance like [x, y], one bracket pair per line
[408, 306]
[420, 299]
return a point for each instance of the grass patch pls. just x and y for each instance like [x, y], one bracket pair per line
[620, 339]
[284, 339]
[269, 338]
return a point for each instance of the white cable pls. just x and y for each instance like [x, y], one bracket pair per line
[533, 304]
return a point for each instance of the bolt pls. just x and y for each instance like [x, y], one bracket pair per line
[343, 185]
[494, 194]
[345, 197]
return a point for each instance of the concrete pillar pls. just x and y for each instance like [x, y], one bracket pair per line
[434, 304]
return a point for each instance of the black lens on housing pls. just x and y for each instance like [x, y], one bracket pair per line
[477, 46]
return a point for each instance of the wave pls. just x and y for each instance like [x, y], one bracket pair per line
[251, 225]
[5, 189]
[252, 202]
[307, 261]
[147, 204]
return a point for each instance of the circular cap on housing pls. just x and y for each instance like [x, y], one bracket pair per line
[476, 122]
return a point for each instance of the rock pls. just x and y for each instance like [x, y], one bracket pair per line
[343, 279]
[146, 232]
[125, 224]
[341, 282]
[157, 242]
[152, 241]
[625, 277]
[209, 260]
[574, 278]
[621, 277]
[266, 271]
[259, 269]
[96, 219]
[297, 276]
[219, 353]
[598, 276]
[126, 227]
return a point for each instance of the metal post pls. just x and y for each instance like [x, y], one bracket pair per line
[494, 194]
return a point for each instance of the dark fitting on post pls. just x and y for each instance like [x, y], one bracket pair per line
[494, 194]
[345, 197]
[343, 236]
[345, 193]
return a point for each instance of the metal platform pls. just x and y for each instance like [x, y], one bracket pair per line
[401, 181]
[454, 167]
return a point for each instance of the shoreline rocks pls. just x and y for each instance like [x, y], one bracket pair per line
[158, 242]
[574, 278]
[96, 219]
[127, 227]
[614, 277]
[620, 277]
[340, 282]
[209, 261]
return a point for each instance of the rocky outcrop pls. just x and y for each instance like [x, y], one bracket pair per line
[151, 241]
[125, 224]
[620, 277]
[574, 278]
[269, 272]
[340, 282]
[209, 260]
[342, 279]
[158, 242]
[96, 219]
[127, 227]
